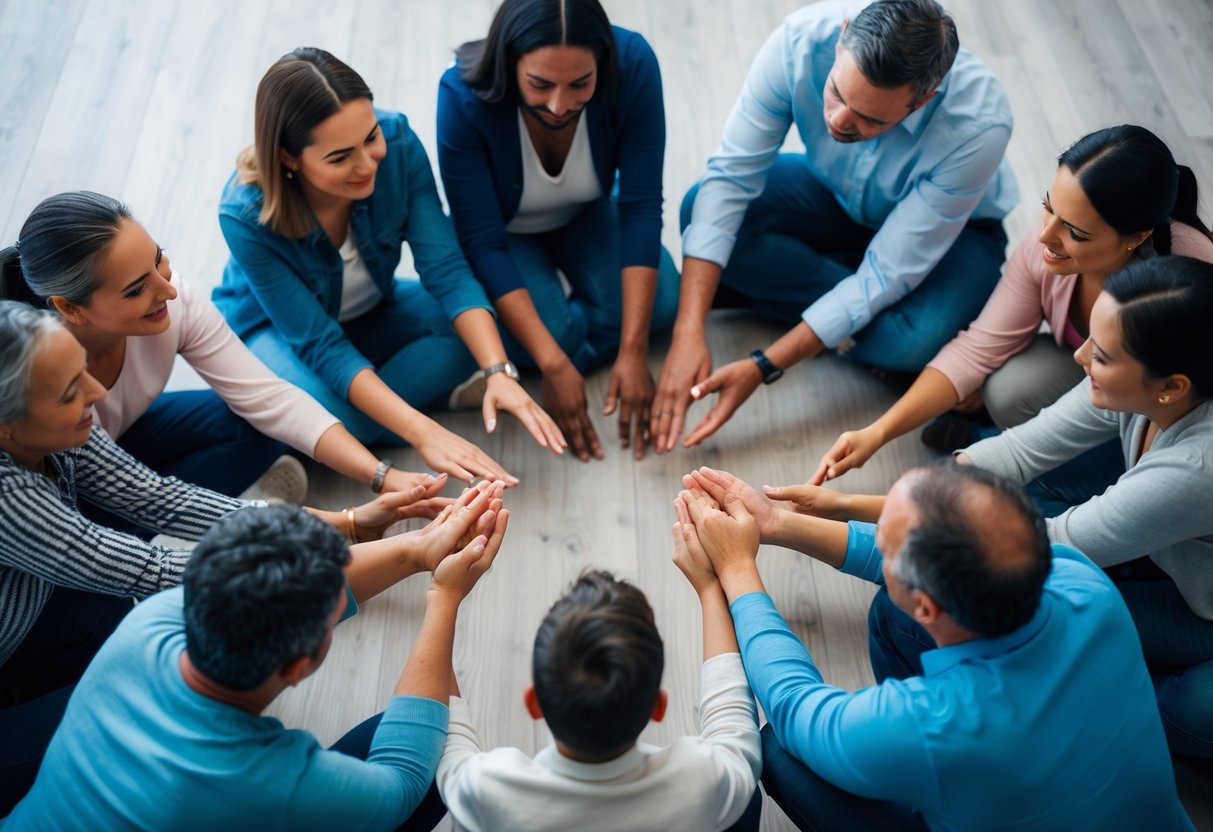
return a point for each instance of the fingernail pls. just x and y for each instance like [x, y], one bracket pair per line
[490, 425]
[695, 392]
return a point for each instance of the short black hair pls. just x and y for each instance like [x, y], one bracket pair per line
[597, 665]
[259, 589]
[899, 42]
[986, 568]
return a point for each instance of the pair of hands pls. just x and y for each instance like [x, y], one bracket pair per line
[722, 520]
[461, 543]
[630, 393]
[687, 375]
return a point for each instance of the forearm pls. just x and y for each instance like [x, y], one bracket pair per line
[825, 540]
[639, 288]
[794, 346]
[428, 672]
[718, 635]
[931, 395]
[523, 321]
[477, 329]
[379, 402]
[340, 451]
[699, 281]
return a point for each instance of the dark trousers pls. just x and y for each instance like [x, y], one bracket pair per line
[39, 677]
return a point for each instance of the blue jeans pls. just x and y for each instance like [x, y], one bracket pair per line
[357, 743]
[815, 805]
[1073, 483]
[39, 677]
[586, 323]
[796, 243]
[409, 342]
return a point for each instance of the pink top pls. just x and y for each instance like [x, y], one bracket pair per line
[1025, 296]
[202, 337]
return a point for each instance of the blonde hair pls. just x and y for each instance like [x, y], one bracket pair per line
[303, 88]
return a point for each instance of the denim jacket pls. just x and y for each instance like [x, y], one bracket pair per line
[295, 284]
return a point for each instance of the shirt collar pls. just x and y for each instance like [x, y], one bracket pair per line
[940, 660]
[553, 760]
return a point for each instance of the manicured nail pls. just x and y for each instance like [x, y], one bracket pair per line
[490, 425]
[695, 392]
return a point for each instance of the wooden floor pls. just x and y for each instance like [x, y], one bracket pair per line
[150, 100]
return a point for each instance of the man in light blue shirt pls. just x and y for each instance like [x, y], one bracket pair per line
[884, 236]
[166, 728]
[1034, 709]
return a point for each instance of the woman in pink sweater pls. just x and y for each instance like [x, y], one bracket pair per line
[1118, 196]
[83, 255]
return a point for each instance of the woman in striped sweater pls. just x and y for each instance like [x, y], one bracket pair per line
[66, 582]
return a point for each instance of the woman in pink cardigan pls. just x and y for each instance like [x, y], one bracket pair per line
[1118, 195]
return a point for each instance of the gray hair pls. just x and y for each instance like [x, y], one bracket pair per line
[899, 42]
[22, 331]
[57, 250]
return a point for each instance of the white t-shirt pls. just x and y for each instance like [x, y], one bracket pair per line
[548, 202]
[358, 292]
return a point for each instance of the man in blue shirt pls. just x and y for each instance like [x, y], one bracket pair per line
[165, 730]
[883, 237]
[1034, 709]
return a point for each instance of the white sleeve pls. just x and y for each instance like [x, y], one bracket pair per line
[457, 770]
[729, 726]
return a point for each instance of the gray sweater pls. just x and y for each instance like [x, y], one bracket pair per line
[1162, 506]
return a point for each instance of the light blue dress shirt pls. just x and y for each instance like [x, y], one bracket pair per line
[1051, 727]
[917, 185]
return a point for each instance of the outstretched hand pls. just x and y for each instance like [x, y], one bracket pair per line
[807, 498]
[457, 574]
[727, 532]
[689, 556]
[851, 450]
[631, 391]
[420, 500]
[735, 382]
[458, 524]
[564, 396]
[503, 393]
[687, 364]
[718, 484]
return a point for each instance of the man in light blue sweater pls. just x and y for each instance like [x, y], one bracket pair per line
[165, 729]
[1034, 709]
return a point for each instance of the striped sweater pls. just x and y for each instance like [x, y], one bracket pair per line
[46, 542]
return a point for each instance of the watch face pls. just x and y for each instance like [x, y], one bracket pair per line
[510, 370]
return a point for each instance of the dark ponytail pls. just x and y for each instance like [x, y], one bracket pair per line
[12, 279]
[1133, 183]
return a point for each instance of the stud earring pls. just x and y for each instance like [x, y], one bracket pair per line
[1164, 399]
[290, 174]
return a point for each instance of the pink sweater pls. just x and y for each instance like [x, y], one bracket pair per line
[202, 337]
[1025, 296]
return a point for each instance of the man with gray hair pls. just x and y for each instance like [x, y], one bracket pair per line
[1033, 708]
[883, 237]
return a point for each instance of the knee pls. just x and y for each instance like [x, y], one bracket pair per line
[1185, 702]
[1005, 396]
[879, 612]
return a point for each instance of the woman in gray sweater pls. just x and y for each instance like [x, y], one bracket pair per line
[1150, 382]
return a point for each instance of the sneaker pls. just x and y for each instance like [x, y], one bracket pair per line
[468, 395]
[284, 482]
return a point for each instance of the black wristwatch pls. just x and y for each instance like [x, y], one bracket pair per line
[506, 367]
[770, 373]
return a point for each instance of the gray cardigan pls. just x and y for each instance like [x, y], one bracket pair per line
[1162, 506]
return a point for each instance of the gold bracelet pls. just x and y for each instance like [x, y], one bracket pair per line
[351, 526]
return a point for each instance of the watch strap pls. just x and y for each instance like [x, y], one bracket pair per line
[770, 373]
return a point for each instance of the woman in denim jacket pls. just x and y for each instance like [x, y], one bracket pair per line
[315, 216]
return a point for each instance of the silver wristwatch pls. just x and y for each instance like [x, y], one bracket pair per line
[506, 367]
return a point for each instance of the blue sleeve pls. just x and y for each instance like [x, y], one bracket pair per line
[912, 239]
[296, 314]
[436, 253]
[342, 792]
[867, 742]
[863, 559]
[641, 160]
[471, 192]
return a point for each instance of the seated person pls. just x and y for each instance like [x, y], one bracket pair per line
[83, 255]
[315, 217]
[597, 668]
[1033, 709]
[883, 237]
[65, 580]
[551, 139]
[1118, 197]
[165, 730]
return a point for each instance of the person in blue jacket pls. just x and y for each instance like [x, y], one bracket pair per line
[315, 216]
[551, 137]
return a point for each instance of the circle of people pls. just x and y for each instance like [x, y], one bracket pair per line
[1042, 637]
